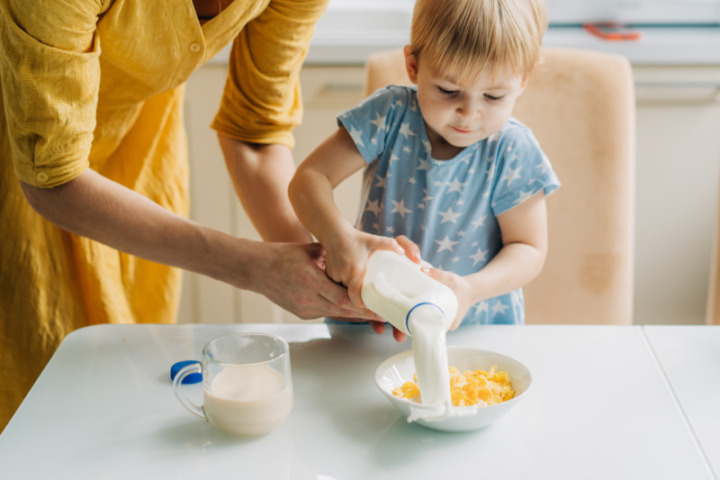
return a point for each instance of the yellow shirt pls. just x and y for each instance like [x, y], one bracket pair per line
[99, 84]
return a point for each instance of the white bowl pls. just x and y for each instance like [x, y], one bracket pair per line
[400, 368]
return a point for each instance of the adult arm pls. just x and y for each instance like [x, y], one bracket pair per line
[98, 208]
[261, 105]
[260, 175]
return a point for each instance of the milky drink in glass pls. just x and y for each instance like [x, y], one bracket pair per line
[247, 386]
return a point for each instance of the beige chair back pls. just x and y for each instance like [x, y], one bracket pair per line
[581, 106]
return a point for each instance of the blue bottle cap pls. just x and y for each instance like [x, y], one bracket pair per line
[195, 377]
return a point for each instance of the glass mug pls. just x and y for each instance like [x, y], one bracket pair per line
[247, 387]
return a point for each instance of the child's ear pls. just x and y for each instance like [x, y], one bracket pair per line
[410, 64]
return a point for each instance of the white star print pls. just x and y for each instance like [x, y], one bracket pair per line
[379, 122]
[356, 136]
[455, 186]
[449, 216]
[479, 222]
[491, 170]
[512, 174]
[423, 164]
[373, 207]
[399, 207]
[481, 307]
[446, 244]
[499, 307]
[479, 256]
[381, 181]
[522, 196]
[405, 130]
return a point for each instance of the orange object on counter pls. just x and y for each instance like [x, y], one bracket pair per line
[612, 31]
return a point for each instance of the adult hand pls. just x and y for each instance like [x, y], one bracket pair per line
[294, 278]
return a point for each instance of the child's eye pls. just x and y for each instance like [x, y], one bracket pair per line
[447, 92]
[493, 98]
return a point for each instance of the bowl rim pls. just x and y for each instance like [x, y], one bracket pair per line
[410, 403]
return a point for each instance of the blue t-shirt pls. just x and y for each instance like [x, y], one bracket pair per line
[448, 207]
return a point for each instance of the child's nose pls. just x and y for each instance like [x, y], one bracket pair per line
[469, 108]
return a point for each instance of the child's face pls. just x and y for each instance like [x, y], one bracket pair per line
[457, 116]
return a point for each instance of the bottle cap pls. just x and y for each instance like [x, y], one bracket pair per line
[195, 377]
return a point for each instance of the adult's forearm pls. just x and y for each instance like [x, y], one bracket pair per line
[100, 209]
[290, 275]
[260, 175]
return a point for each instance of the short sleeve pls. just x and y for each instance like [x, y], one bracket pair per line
[521, 169]
[49, 78]
[371, 123]
[261, 102]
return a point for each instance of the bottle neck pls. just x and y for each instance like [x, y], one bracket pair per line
[425, 310]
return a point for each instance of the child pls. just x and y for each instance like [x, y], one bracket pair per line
[445, 163]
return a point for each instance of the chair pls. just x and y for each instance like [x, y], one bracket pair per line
[581, 106]
[713, 306]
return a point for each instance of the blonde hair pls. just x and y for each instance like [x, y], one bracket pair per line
[466, 36]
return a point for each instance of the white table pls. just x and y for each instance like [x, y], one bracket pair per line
[690, 358]
[600, 407]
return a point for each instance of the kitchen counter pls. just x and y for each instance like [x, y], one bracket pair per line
[342, 43]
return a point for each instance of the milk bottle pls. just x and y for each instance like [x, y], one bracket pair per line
[396, 289]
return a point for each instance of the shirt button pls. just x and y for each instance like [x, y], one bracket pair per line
[195, 47]
[42, 177]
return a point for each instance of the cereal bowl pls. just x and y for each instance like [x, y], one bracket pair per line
[400, 368]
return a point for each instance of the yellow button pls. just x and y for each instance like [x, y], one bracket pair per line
[42, 177]
[195, 47]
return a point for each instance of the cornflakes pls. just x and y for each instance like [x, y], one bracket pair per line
[472, 387]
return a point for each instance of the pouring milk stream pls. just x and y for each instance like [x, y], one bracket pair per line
[396, 289]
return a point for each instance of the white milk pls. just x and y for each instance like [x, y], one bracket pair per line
[248, 400]
[430, 355]
[396, 289]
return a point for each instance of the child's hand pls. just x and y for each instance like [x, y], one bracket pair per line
[462, 288]
[412, 251]
[346, 260]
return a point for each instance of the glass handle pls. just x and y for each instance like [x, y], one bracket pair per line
[184, 400]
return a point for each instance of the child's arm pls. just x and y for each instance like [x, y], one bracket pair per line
[524, 235]
[311, 194]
